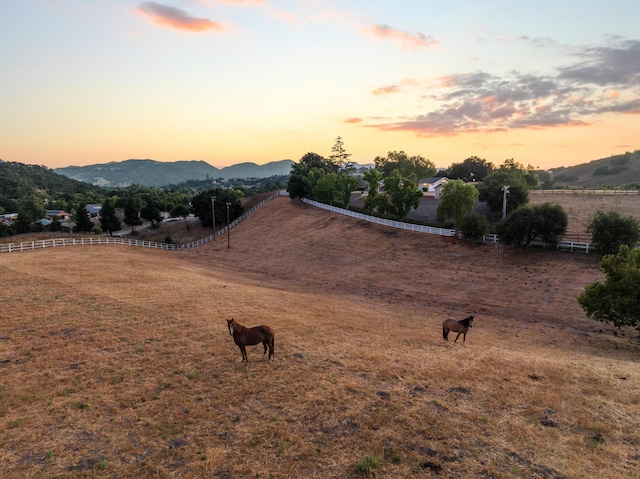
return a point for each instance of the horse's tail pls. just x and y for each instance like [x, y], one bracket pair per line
[445, 332]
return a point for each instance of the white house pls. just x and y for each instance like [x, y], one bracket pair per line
[432, 186]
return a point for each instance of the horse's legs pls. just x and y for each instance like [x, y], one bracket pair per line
[457, 337]
[264, 343]
[272, 346]
[244, 354]
[464, 338]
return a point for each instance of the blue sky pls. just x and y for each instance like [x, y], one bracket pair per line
[546, 83]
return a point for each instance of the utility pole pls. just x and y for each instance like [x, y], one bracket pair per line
[505, 192]
[213, 212]
[228, 227]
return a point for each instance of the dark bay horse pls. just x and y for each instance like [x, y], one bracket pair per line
[244, 336]
[460, 327]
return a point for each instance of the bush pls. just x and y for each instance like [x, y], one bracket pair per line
[368, 464]
[547, 222]
[616, 301]
[473, 227]
[611, 230]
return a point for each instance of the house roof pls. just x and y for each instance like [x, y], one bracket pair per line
[93, 208]
[434, 179]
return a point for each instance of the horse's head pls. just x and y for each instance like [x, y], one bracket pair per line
[230, 325]
[470, 318]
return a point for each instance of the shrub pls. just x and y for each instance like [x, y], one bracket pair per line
[610, 230]
[368, 464]
[473, 227]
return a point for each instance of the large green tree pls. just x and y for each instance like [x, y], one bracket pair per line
[401, 195]
[151, 209]
[202, 205]
[132, 206]
[30, 211]
[457, 200]
[339, 157]
[491, 189]
[83, 220]
[408, 166]
[474, 227]
[617, 300]
[347, 184]
[547, 222]
[610, 230]
[470, 170]
[109, 221]
[299, 184]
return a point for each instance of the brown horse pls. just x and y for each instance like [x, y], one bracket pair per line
[244, 336]
[460, 327]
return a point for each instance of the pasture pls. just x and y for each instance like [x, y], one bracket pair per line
[117, 361]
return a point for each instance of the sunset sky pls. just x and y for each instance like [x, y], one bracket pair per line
[548, 83]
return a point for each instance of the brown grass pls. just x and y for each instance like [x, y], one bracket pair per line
[580, 208]
[116, 362]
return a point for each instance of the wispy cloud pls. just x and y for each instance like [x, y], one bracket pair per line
[605, 80]
[234, 2]
[402, 86]
[408, 41]
[176, 18]
[244, 2]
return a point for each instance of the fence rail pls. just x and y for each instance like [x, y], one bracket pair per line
[100, 240]
[564, 245]
[573, 246]
[577, 192]
[381, 221]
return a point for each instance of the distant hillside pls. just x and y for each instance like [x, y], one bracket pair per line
[615, 171]
[157, 173]
[18, 180]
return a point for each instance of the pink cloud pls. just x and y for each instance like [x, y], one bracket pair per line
[353, 120]
[243, 2]
[409, 41]
[176, 18]
[386, 90]
[397, 88]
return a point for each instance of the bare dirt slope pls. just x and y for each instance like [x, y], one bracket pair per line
[307, 248]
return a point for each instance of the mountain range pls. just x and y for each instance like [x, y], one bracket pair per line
[614, 171]
[158, 173]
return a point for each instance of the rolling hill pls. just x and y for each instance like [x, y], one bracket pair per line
[615, 171]
[157, 173]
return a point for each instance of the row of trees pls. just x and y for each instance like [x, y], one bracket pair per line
[330, 180]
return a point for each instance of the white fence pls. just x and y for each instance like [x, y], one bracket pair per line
[573, 246]
[98, 240]
[581, 191]
[382, 221]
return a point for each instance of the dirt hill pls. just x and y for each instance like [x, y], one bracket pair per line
[116, 361]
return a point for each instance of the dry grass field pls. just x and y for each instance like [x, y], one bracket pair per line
[115, 361]
[580, 207]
